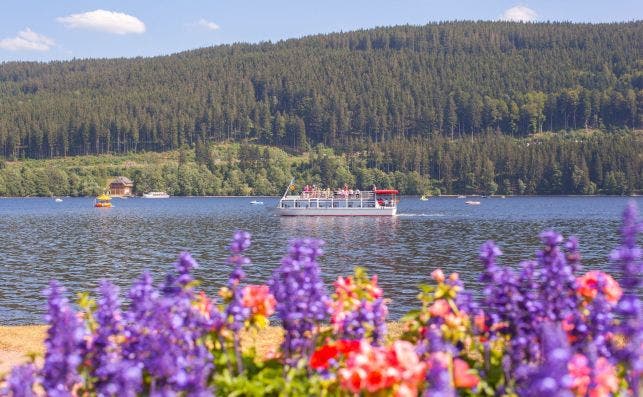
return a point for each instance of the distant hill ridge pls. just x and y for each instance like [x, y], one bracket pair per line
[346, 90]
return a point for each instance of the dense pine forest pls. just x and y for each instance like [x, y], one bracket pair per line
[459, 106]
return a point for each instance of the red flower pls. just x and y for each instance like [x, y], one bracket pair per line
[347, 346]
[321, 357]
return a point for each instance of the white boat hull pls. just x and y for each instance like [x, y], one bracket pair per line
[388, 211]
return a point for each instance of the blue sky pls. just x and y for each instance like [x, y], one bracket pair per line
[45, 30]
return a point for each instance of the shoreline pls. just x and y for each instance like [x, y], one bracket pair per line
[634, 195]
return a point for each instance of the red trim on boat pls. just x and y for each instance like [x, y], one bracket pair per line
[387, 191]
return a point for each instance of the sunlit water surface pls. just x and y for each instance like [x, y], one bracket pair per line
[78, 244]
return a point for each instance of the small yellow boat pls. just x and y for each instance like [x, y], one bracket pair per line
[103, 201]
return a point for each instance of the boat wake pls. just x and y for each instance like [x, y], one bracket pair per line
[407, 215]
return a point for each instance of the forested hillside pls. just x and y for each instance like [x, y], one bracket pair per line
[563, 163]
[350, 91]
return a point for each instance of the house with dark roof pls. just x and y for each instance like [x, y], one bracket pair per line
[121, 186]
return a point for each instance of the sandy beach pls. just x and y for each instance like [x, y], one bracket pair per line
[17, 343]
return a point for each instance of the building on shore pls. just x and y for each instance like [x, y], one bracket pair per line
[121, 186]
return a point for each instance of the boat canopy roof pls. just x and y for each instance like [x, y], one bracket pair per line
[103, 197]
[386, 191]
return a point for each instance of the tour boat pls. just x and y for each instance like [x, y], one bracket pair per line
[472, 202]
[155, 195]
[378, 202]
[103, 201]
[255, 202]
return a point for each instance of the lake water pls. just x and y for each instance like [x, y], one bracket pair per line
[78, 244]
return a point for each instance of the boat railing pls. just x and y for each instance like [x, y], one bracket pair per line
[337, 200]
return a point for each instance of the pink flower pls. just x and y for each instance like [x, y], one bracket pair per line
[579, 371]
[438, 275]
[588, 286]
[462, 376]
[396, 368]
[439, 308]
[259, 299]
[604, 378]
[353, 379]
[405, 354]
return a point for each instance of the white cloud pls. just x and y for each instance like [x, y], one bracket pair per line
[104, 21]
[208, 25]
[519, 14]
[27, 40]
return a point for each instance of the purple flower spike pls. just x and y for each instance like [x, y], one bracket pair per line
[21, 381]
[557, 280]
[186, 263]
[628, 257]
[240, 242]
[63, 344]
[302, 301]
[114, 374]
[489, 251]
[551, 378]
[573, 254]
[550, 238]
[438, 379]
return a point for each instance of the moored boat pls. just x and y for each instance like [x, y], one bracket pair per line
[344, 202]
[154, 195]
[103, 201]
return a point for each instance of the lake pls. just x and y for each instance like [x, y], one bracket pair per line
[78, 244]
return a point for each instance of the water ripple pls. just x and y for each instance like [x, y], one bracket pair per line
[78, 244]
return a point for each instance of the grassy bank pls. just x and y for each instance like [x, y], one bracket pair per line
[580, 162]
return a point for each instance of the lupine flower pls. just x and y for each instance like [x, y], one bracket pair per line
[21, 381]
[115, 375]
[511, 311]
[628, 257]
[63, 344]
[358, 309]
[438, 376]
[551, 378]
[165, 338]
[236, 312]
[302, 302]
[557, 280]
[572, 254]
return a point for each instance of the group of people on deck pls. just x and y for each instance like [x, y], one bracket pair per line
[312, 191]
